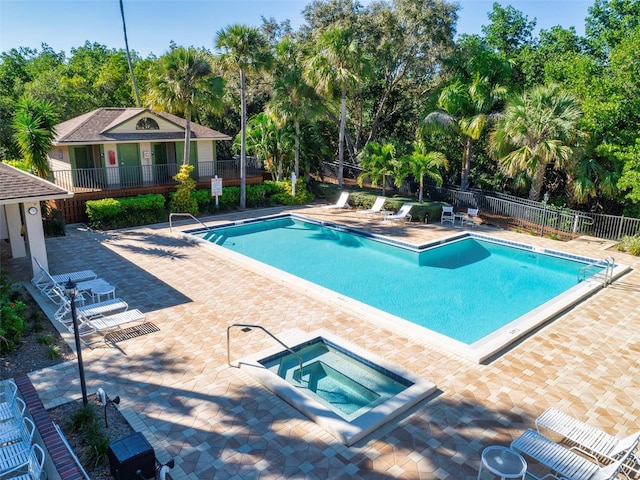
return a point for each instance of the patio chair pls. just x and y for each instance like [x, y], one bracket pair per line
[32, 464]
[341, 203]
[563, 462]
[45, 282]
[16, 452]
[447, 215]
[403, 214]
[471, 217]
[112, 305]
[590, 440]
[8, 399]
[108, 323]
[11, 427]
[376, 207]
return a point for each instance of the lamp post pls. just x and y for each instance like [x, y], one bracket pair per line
[72, 292]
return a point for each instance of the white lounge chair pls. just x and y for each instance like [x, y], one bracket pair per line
[471, 217]
[403, 214]
[8, 399]
[11, 427]
[16, 452]
[45, 282]
[563, 462]
[589, 439]
[375, 208]
[31, 465]
[447, 215]
[341, 203]
[106, 324]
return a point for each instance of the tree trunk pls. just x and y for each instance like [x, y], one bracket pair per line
[126, 44]
[421, 188]
[537, 182]
[243, 143]
[466, 165]
[297, 147]
[343, 126]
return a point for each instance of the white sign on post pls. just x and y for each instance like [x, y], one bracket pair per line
[216, 188]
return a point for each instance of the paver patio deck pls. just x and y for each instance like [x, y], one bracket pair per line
[217, 422]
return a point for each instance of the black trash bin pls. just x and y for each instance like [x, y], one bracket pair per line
[131, 454]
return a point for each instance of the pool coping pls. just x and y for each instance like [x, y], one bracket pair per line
[479, 351]
[348, 432]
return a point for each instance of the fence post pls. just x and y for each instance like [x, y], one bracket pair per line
[620, 229]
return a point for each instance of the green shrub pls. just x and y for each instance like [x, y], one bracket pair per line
[630, 244]
[53, 352]
[87, 421]
[12, 310]
[126, 212]
[44, 339]
[53, 224]
[182, 200]
[283, 192]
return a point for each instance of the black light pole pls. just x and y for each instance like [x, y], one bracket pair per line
[72, 292]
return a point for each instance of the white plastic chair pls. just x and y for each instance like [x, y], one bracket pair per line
[376, 207]
[447, 216]
[471, 217]
[15, 453]
[341, 203]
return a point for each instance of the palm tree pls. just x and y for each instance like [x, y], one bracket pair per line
[377, 161]
[184, 81]
[334, 70]
[466, 110]
[421, 163]
[293, 98]
[244, 50]
[126, 44]
[34, 131]
[539, 127]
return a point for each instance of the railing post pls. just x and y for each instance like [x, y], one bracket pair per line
[620, 228]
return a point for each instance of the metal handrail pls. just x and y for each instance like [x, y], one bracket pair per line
[171, 215]
[609, 264]
[249, 327]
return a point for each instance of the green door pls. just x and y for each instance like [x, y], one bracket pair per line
[160, 167]
[83, 171]
[129, 163]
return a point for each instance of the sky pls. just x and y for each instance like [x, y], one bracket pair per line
[153, 24]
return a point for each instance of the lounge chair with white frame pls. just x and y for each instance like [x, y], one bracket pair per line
[563, 462]
[447, 215]
[8, 402]
[586, 438]
[376, 207]
[10, 428]
[16, 452]
[403, 213]
[471, 217]
[341, 203]
[30, 466]
[44, 281]
[88, 311]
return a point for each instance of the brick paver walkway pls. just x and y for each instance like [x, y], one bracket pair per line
[216, 422]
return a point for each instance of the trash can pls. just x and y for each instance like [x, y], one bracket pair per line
[131, 454]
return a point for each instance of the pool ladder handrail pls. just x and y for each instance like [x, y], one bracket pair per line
[249, 326]
[171, 215]
[609, 264]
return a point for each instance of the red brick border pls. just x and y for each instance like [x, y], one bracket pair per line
[58, 451]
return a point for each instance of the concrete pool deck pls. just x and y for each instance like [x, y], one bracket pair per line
[217, 422]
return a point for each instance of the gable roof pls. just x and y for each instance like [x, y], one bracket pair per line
[95, 126]
[17, 186]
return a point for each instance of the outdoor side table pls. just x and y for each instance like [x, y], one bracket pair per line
[504, 462]
[106, 290]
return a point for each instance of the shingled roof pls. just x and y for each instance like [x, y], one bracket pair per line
[17, 186]
[95, 126]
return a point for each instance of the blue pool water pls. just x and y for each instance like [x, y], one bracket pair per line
[464, 289]
[347, 384]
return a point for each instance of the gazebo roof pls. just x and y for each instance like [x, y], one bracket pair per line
[17, 186]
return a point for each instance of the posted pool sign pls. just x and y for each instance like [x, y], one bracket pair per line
[216, 188]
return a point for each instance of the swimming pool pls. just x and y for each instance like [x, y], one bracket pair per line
[344, 389]
[468, 288]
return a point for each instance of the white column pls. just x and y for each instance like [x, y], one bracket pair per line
[35, 236]
[14, 224]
